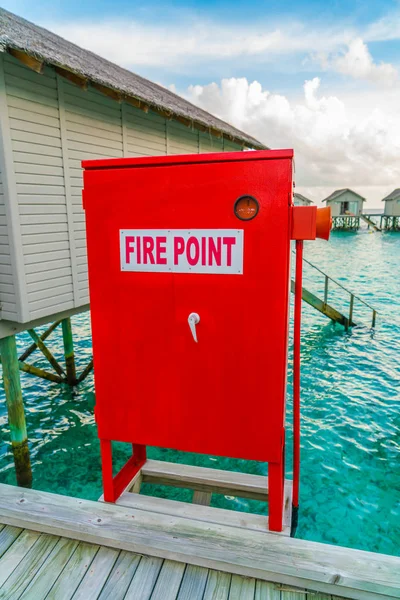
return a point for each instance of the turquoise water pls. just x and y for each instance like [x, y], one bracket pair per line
[350, 471]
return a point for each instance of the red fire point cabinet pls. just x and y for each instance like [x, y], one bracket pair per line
[189, 274]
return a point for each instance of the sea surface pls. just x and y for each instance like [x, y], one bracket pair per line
[350, 457]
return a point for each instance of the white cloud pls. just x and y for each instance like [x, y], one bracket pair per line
[358, 63]
[386, 28]
[136, 43]
[334, 147]
[198, 45]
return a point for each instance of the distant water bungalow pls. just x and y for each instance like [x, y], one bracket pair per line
[346, 207]
[390, 220]
[300, 200]
[348, 211]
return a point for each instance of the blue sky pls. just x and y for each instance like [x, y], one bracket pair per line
[322, 77]
[254, 17]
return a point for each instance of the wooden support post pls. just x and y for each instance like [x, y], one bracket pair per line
[85, 371]
[15, 408]
[373, 318]
[69, 351]
[203, 498]
[326, 291]
[43, 348]
[351, 309]
[43, 337]
[23, 366]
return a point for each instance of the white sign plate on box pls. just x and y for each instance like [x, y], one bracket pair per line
[182, 250]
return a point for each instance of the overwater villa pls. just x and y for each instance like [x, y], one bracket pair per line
[391, 215]
[346, 206]
[300, 200]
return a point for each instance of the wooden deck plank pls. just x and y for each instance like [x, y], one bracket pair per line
[7, 537]
[16, 552]
[169, 580]
[204, 479]
[329, 569]
[208, 514]
[73, 572]
[121, 576]
[26, 570]
[144, 579]
[242, 588]
[267, 591]
[97, 574]
[218, 585]
[193, 583]
[46, 576]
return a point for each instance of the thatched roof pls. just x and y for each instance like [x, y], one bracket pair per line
[393, 195]
[338, 193]
[19, 35]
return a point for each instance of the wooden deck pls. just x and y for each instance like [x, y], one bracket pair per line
[56, 547]
[35, 566]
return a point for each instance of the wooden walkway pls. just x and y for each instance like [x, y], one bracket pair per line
[36, 566]
[370, 222]
[56, 547]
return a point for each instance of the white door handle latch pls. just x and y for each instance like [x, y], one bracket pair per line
[193, 320]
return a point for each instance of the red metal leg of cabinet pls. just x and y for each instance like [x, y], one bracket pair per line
[276, 485]
[114, 486]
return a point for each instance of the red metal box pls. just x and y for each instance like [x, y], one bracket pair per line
[164, 241]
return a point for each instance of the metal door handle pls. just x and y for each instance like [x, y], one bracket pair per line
[193, 320]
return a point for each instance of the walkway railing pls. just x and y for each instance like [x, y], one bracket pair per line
[370, 222]
[323, 306]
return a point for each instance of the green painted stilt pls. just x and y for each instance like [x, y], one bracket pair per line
[69, 351]
[43, 337]
[15, 407]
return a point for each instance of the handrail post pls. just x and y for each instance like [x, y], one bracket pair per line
[326, 291]
[351, 309]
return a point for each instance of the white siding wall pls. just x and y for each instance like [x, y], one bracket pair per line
[396, 207]
[8, 303]
[93, 129]
[392, 207]
[54, 125]
[181, 139]
[388, 207]
[38, 169]
[210, 143]
[145, 134]
[335, 208]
